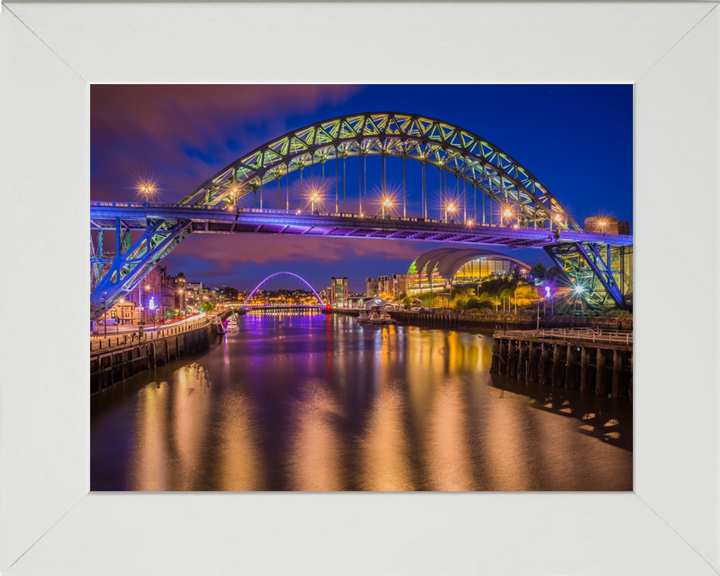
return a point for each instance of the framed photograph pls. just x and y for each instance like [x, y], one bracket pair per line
[336, 274]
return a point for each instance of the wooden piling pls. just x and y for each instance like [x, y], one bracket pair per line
[512, 358]
[600, 379]
[522, 354]
[584, 369]
[558, 370]
[545, 363]
[532, 371]
[617, 376]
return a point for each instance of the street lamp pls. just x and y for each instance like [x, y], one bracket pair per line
[314, 198]
[104, 315]
[506, 214]
[234, 192]
[386, 205]
[147, 289]
[122, 315]
[451, 209]
[147, 189]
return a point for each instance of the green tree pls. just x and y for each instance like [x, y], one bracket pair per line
[539, 271]
[473, 303]
[207, 306]
[407, 301]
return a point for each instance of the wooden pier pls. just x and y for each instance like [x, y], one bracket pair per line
[589, 360]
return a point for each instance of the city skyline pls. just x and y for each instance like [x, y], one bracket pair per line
[177, 136]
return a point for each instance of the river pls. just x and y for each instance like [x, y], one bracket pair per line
[305, 401]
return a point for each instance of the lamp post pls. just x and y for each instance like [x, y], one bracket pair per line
[147, 189]
[147, 289]
[450, 208]
[314, 198]
[122, 313]
[507, 214]
[386, 204]
[104, 315]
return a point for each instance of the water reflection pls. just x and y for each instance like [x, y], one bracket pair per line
[319, 402]
[316, 450]
[240, 456]
[385, 446]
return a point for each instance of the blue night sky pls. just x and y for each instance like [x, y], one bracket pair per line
[576, 139]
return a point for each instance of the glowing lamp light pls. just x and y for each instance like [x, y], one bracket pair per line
[451, 208]
[557, 218]
[151, 304]
[508, 213]
[147, 188]
[579, 289]
[547, 291]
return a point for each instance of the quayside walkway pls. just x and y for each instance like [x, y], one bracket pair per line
[590, 360]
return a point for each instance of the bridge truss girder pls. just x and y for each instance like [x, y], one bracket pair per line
[116, 276]
[598, 268]
[390, 134]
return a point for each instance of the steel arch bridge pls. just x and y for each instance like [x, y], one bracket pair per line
[427, 140]
[522, 211]
[276, 274]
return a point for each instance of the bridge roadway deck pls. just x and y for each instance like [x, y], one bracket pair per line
[213, 220]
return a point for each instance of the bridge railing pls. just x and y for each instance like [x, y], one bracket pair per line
[579, 334]
[295, 212]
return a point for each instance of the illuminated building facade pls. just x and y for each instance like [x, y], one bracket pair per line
[398, 284]
[384, 287]
[439, 270]
[371, 287]
[338, 293]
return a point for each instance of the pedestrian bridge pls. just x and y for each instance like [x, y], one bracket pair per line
[277, 277]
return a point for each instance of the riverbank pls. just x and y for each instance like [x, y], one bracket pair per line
[495, 321]
[127, 357]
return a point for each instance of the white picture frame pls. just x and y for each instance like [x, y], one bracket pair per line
[51, 52]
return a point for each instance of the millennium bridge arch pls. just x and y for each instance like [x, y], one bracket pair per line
[523, 213]
[452, 149]
[275, 275]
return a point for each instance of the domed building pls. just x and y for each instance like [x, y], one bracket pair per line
[441, 269]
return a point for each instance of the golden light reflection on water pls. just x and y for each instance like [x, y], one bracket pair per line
[504, 440]
[150, 461]
[448, 454]
[353, 407]
[241, 463]
[191, 401]
[385, 446]
[316, 451]
[170, 436]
